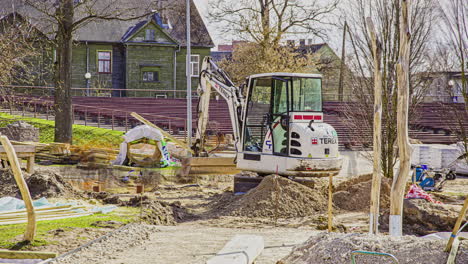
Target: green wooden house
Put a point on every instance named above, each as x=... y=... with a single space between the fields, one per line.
x=144 y=57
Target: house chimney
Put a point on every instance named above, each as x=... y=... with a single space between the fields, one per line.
x=291 y=43
x=310 y=42
x=302 y=42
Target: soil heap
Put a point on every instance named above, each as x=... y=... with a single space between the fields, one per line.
x=279 y=197
x=422 y=217
x=355 y=194
x=331 y=248
x=154 y=212
x=41 y=184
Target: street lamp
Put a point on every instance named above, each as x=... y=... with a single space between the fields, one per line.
x=87 y=77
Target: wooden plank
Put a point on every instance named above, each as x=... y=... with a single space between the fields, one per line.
x=453 y=252
x=377 y=140
x=404 y=147
x=18 y=175
x=241 y=249
x=457 y=225
x=20 y=148
x=167 y=135
x=10 y=254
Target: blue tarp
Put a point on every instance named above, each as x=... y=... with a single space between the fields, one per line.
x=12 y=204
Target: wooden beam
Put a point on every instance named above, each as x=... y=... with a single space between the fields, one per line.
x=10 y=254
x=457 y=225
x=18 y=175
x=377 y=145
x=242 y=249
x=453 y=252
x=404 y=146
x=167 y=135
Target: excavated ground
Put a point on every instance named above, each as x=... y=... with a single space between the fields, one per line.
x=334 y=248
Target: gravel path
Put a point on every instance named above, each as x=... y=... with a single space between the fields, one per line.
x=183 y=244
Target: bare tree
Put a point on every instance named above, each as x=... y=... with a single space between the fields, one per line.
x=455 y=23
x=386 y=16
x=63 y=18
x=267 y=22
x=21 y=50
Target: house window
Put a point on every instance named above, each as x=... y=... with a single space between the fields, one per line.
x=150 y=35
x=104 y=61
x=150 y=76
x=195 y=65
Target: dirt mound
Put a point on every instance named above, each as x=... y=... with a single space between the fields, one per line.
x=49 y=184
x=8 y=185
x=154 y=212
x=331 y=248
x=421 y=217
x=279 y=197
x=355 y=194
x=41 y=184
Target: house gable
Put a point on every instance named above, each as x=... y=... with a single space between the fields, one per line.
x=138 y=34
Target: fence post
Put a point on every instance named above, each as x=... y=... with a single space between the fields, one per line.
x=35 y=110
x=170 y=128
x=86 y=117
x=98 y=118
x=112 y=120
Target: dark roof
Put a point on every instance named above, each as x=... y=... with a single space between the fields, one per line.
x=219 y=55
x=172 y=19
x=313 y=48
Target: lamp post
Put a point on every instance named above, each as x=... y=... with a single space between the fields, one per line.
x=189 y=80
x=87 y=77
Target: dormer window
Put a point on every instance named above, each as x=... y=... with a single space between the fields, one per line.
x=150 y=35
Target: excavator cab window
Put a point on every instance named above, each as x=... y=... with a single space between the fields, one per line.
x=256 y=124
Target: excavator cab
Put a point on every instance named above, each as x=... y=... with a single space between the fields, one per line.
x=283 y=130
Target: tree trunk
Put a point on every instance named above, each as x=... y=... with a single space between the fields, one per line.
x=377 y=171
x=63 y=102
x=404 y=147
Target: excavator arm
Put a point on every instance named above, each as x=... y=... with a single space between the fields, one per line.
x=212 y=77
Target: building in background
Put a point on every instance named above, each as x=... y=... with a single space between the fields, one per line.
x=143 y=54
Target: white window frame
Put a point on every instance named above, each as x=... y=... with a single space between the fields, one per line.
x=150 y=34
x=192 y=65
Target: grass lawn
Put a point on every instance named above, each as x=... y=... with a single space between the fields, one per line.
x=9 y=233
x=82 y=135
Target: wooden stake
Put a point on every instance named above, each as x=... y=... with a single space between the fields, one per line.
x=18 y=175
x=457 y=225
x=377 y=145
x=404 y=147
x=330 y=203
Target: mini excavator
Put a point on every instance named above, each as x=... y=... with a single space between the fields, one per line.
x=277 y=122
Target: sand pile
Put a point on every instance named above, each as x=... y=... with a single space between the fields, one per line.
x=334 y=248
x=354 y=194
x=279 y=197
x=41 y=184
x=421 y=217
